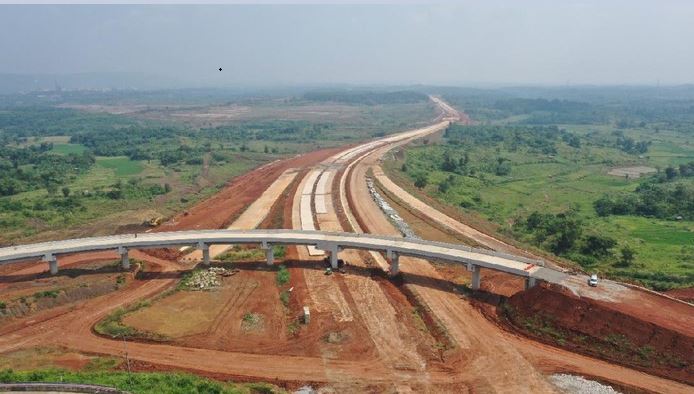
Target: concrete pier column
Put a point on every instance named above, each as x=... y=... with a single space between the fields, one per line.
x=124 y=260
x=270 y=255
x=205 y=252
x=475 y=269
x=394 y=259
x=52 y=263
x=530 y=282
x=333 y=256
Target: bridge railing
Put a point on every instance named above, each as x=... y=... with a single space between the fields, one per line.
x=144 y=240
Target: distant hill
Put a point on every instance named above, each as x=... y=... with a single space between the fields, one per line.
x=366 y=97
x=22 y=83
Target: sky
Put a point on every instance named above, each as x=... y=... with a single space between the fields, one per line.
x=453 y=43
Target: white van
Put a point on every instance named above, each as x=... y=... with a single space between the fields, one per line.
x=593 y=281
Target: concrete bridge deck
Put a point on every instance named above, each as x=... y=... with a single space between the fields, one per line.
x=330 y=242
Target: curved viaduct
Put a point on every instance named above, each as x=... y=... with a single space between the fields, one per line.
x=330 y=242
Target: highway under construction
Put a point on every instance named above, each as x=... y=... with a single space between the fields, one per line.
x=397 y=320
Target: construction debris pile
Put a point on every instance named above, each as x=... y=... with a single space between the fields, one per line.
x=207 y=279
x=390 y=212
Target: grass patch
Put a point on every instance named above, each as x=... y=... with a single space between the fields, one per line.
x=284 y=297
x=112 y=325
x=141 y=383
x=47 y=294
x=122 y=166
x=66 y=149
x=251 y=321
x=283 y=276
x=293 y=328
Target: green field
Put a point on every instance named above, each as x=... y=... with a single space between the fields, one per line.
x=571 y=178
x=122 y=166
x=66 y=149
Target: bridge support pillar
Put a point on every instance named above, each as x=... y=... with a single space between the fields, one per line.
x=394 y=259
x=475 y=269
x=205 y=252
x=269 y=253
x=124 y=260
x=530 y=282
x=52 y=263
x=333 y=256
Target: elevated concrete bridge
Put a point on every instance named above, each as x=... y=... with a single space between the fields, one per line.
x=330 y=242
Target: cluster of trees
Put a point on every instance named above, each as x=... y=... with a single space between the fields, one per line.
x=126 y=141
x=650 y=199
x=277 y=130
x=25 y=121
x=35 y=167
x=542 y=111
x=564 y=235
x=134 y=188
x=367 y=97
x=173 y=145
x=629 y=145
x=536 y=139
x=685 y=170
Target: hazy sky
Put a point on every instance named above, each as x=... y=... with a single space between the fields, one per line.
x=521 y=42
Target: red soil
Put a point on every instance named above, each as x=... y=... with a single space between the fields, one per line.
x=686 y=294
x=222 y=208
x=591 y=327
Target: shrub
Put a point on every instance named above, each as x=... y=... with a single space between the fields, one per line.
x=282 y=275
x=284 y=297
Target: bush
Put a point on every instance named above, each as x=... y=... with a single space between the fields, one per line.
x=421 y=181
x=139 y=382
x=47 y=294
x=282 y=275
x=284 y=298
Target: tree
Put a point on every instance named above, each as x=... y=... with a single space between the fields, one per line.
x=421 y=181
x=603 y=206
x=598 y=246
x=51 y=188
x=503 y=167
x=566 y=229
x=66 y=191
x=574 y=141
x=670 y=172
x=449 y=164
x=627 y=254
x=444 y=186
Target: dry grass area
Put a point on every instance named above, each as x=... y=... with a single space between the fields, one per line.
x=187 y=313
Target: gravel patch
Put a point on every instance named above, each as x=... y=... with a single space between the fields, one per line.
x=572 y=384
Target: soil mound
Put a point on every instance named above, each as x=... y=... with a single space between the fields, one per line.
x=554 y=314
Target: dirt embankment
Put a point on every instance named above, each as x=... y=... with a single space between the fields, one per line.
x=553 y=314
x=686 y=294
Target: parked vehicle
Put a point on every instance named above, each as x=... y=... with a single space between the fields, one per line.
x=593 y=281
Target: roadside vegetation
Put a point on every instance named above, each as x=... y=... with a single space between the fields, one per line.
x=138 y=382
x=546 y=182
